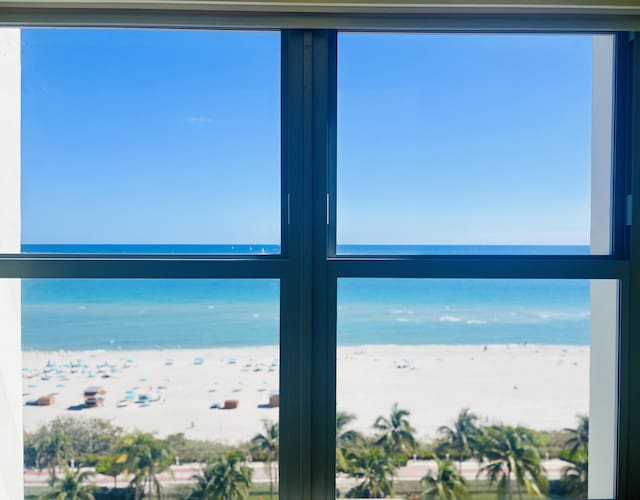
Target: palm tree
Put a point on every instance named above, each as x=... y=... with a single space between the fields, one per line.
x=579 y=439
x=266 y=446
x=376 y=470
x=54 y=451
x=71 y=486
x=462 y=436
x=145 y=457
x=396 y=433
x=224 y=479
x=575 y=476
x=345 y=439
x=447 y=484
x=510 y=451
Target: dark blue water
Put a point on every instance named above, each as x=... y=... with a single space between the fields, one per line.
x=142 y=314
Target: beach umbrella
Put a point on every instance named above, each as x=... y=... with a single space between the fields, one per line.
x=144 y=379
x=61 y=386
x=32 y=386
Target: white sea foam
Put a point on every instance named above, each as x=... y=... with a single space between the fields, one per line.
x=450 y=319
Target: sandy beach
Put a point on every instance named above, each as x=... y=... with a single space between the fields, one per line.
x=540 y=386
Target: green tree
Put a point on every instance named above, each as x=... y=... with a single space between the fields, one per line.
x=112 y=466
x=224 y=479
x=375 y=468
x=446 y=484
x=54 y=451
x=345 y=439
x=265 y=445
x=575 y=476
x=88 y=436
x=145 y=457
x=462 y=436
x=30 y=444
x=579 y=439
x=510 y=453
x=72 y=486
x=396 y=435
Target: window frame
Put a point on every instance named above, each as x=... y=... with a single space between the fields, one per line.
x=308 y=268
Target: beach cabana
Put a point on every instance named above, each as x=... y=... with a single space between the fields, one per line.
x=231 y=404
x=46 y=401
x=274 y=400
x=94 y=396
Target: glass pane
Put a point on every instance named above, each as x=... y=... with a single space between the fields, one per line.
x=440 y=383
x=187 y=370
x=474 y=144
x=147 y=141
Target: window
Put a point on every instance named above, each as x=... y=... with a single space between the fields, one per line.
x=105 y=146
x=347 y=308
x=187 y=369
x=436 y=373
x=490 y=144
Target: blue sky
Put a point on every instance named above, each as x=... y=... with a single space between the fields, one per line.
x=150 y=137
x=174 y=137
x=464 y=139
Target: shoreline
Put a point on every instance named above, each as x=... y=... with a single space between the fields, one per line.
x=180 y=348
x=542 y=386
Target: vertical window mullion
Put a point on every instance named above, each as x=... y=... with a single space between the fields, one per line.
x=295 y=298
x=621 y=181
x=323 y=335
x=629 y=404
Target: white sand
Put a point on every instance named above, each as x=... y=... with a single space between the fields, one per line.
x=543 y=387
x=539 y=386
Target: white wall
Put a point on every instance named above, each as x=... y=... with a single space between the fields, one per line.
x=10 y=351
x=604 y=293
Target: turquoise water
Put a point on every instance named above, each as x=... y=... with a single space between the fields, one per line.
x=142 y=314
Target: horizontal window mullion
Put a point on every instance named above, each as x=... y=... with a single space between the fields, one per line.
x=172 y=267
x=515 y=267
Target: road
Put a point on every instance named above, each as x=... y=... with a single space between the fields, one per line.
x=182 y=474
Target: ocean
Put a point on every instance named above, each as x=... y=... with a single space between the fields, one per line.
x=88 y=314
